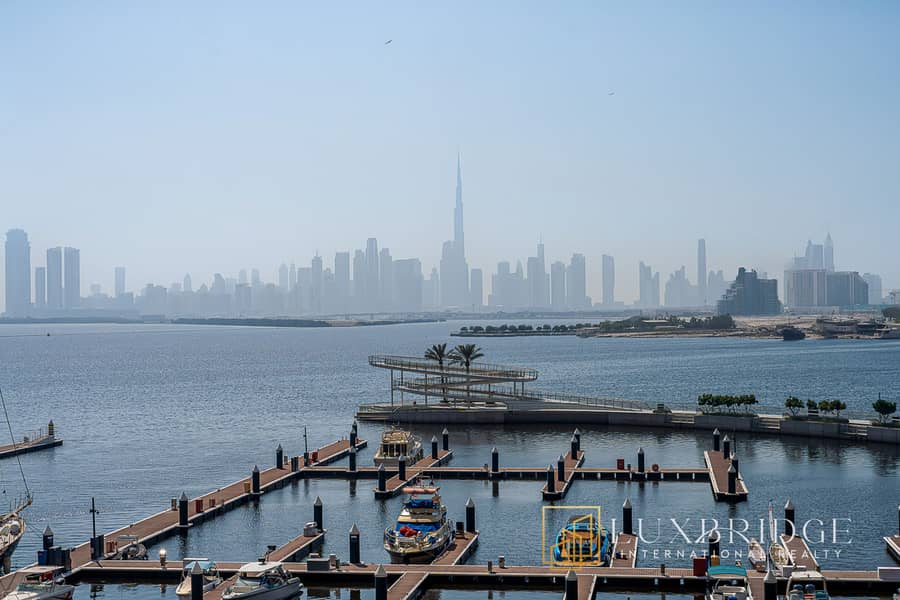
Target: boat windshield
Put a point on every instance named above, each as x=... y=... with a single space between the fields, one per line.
x=420 y=503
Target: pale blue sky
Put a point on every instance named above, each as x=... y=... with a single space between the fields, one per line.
x=206 y=137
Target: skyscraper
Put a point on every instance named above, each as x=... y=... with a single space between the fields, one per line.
x=71 y=278
x=54 y=278
x=458 y=235
x=372 y=276
x=874 y=283
x=120 y=281
x=386 y=281
x=576 y=283
x=454 y=274
x=649 y=286
x=341 y=281
x=702 y=298
x=186 y=283
x=359 y=281
x=558 y=285
x=317 y=284
x=283 y=277
x=829 y=253
x=407 y=278
x=18 y=273
x=476 y=289
x=609 y=280
x=750 y=295
x=40 y=287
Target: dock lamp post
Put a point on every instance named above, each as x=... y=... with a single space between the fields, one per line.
x=305 y=448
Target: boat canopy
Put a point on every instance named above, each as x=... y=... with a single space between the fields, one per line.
x=420 y=527
x=420 y=503
x=257 y=569
x=204 y=563
x=727 y=571
x=420 y=490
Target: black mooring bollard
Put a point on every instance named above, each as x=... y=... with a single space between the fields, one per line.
x=898 y=520
x=561 y=467
x=495 y=461
x=732 y=480
x=726 y=446
x=183 y=510
x=254 y=481
x=352 y=438
x=571 y=586
x=770 y=586
x=551 y=479
x=352 y=459
x=295 y=464
x=196 y=582
x=713 y=542
x=382 y=478
x=305 y=458
x=716 y=440
x=434 y=448
x=401 y=467
x=51 y=429
x=354 y=545
x=445 y=440
x=790 y=517
x=279 y=457
x=573 y=451
x=627 y=517
x=380 y=583
x=577 y=435
x=47 y=538
x=470 y=516
x=640 y=460
x=735 y=463
x=317 y=514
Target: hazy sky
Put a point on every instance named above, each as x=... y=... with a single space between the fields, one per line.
x=175 y=137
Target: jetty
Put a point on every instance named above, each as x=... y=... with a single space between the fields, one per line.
x=40 y=440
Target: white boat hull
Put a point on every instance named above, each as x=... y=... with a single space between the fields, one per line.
x=291 y=589
x=59 y=592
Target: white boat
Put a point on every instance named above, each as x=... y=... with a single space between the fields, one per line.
x=756 y=555
x=730 y=583
x=396 y=443
x=806 y=585
x=211 y=576
x=129 y=547
x=779 y=555
x=887 y=333
x=263 y=580
x=422 y=532
x=41 y=583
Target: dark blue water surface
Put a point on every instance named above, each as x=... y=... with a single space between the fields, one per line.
x=150 y=411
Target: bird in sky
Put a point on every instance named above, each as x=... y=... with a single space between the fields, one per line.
x=388 y=42
x=610 y=93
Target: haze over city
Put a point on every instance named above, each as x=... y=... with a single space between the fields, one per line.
x=212 y=138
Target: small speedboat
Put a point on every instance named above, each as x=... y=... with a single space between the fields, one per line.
x=211 y=576
x=42 y=583
x=806 y=585
x=756 y=555
x=583 y=540
x=129 y=547
x=396 y=443
x=730 y=583
x=422 y=532
x=263 y=580
x=779 y=555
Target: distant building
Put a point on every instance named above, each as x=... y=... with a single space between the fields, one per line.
x=407 y=280
x=829 y=254
x=40 y=288
x=679 y=291
x=54 y=278
x=476 y=289
x=576 y=283
x=750 y=295
x=702 y=298
x=359 y=281
x=431 y=291
x=454 y=275
x=648 y=285
x=284 y=277
x=386 y=281
x=805 y=288
x=609 y=280
x=876 y=293
x=18 y=273
x=72 y=278
x=371 y=297
x=715 y=286
x=317 y=284
x=120 y=281
x=558 y=285
x=846 y=288
x=341 y=281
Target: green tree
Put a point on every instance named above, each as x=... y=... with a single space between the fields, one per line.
x=811 y=405
x=465 y=354
x=438 y=353
x=837 y=406
x=885 y=409
x=825 y=406
x=793 y=404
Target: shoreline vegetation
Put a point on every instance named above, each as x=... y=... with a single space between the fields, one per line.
x=241 y=322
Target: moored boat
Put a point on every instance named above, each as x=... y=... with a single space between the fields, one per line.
x=12 y=528
x=730 y=583
x=396 y=443
x=779 y=555
x=806 y=585
x=129 y=547
x=211 y=576
x=263 y=580
x=422 y=532
x=583 y=540
x=789 y=333
x=756 y=555
x=41 y=583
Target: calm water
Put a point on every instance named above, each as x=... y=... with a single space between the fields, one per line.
x=150 y=411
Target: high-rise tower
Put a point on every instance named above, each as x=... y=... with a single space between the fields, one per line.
x=829 y=253
x=18 y=273
x=454 y=277
x=701 y=272
x=458 y=235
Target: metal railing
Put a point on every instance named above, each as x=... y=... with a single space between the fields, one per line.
x=481 y=370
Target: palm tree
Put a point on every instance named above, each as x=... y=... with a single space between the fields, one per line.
x=466 y=354
x=438 y=352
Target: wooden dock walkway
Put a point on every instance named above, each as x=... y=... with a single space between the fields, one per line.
x=408 y=587
x=624 y=553
x=893 y=546
x=799 y=552
x=718 y=465
x=684 y=474
x=561 y=486
x=460 y=550
x=395 y=485
x=587 y=586
x=31 y=445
